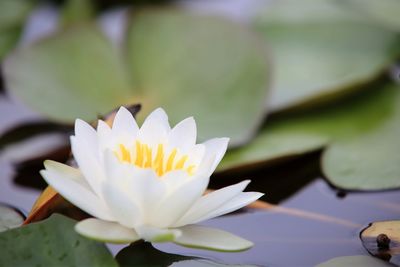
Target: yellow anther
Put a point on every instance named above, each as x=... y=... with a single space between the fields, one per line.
x=139 y=154
x=126 y=155
x=170 y=160
x=149 y=158
x=161 y=164
x=159 y=160
x=190 y=169
x=179 y=165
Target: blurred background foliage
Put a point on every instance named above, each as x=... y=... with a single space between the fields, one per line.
x=292 y=78
x=286 y=80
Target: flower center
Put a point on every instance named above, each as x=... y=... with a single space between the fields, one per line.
x=143 y=156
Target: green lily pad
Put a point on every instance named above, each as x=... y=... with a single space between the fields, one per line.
x=385 y=12
x=202 y=66
x=369 y=162
x=190 y=65
x=78 y=66
x=52 y=242
x=296 y=134
x=384 y=250
x=323 y=50
x=13 y=14
x=9 y=218
x=355 y=261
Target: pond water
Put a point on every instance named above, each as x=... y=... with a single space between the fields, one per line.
x=315 y=222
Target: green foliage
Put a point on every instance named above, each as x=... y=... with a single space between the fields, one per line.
x=323 y=50
x=361 y=134
x=190 y=65
x=52 y=242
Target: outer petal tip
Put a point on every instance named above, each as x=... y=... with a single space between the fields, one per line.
x=105 y=231
x=195 y=236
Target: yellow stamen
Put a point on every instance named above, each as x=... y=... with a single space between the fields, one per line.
x=191 y=169
x=139 y=154
x=126 y=156
x=159 y=160
x=170 y=160
x=161 y=164
x=181 y=163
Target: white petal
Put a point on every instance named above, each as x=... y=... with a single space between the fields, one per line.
x=183 y=135
x=104 y=134
x=70 y=183
x=217 y=147
x=155 y=128
x=124 y=210
x=125 y=123
x=154 y=234
x=106 y=231
x=210 y=202
x=84 y=131
x=239 y=201
x=177 y=203
x=195 y=236
x=88 y=163
x=142 y=186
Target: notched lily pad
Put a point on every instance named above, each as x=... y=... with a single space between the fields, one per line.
x=323 y=50
x=382 y=239
x=52 y=242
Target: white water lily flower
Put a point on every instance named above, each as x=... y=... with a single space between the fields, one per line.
x=148 y=183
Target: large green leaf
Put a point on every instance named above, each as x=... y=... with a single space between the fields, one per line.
x=355 y=261
x=74 y=74
x=304 y=132
x=323 y=50
x=191 y=65
x=13 y=14
x=52 y=242
x=385 y=12
x=201 y=66
x=370 y=161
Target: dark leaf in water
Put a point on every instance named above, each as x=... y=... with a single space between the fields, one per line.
x=144 y=254
x=52 y=242
x=27 y=172
x=29 y=130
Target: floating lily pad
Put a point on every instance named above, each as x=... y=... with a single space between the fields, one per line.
x=323 y=50
x=202 y=66
x=383 y=249
x=385 y=12
x=370 y=162
x=301 y=133
x=355 y=261
x=191 y=65
x=52 y=242
x=13 y=14
x=74 y=74
x=9 y=218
